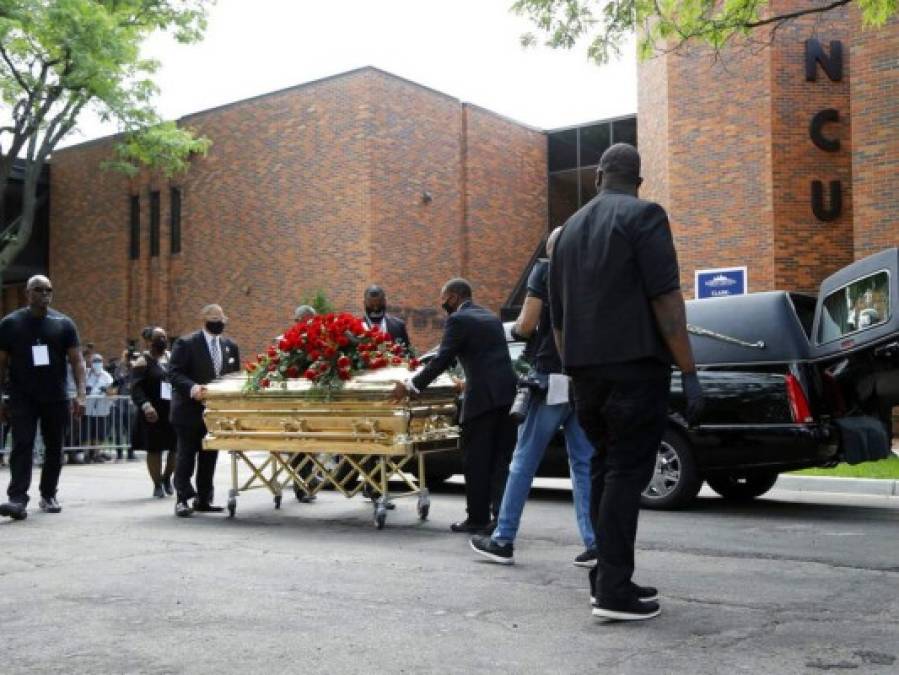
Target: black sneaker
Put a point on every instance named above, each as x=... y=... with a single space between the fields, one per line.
x=158 y=492
x=498 y=553
x=644 y=594
x=13 y=510
x=587 y=558
x=50 y=505
x=627 y=610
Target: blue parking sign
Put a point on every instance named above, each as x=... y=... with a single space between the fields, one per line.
x=720 y=282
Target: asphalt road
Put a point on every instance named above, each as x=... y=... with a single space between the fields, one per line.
x=795 y=583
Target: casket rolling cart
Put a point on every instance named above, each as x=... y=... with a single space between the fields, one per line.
x=352 y=439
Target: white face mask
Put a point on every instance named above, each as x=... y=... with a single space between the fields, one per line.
x=97 y=368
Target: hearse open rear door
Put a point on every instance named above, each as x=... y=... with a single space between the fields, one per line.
x=855 y=343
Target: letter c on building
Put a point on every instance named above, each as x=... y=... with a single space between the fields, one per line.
x=821 y=118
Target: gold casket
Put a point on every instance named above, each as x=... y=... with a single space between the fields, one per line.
x=357 y=419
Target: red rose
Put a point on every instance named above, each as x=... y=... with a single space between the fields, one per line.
x=293 y=371
x=272 y=367
x=265 y=383
x=396 y=360
x=284 y=345
x=343 y=362
x=414 y=363
x=323 y=366
x=310 y=374
x=313 y=355
x=343 y=374
x=329 y=352
x=272 y=351
x=343 y=340
x=250 y=367
x=260 y=357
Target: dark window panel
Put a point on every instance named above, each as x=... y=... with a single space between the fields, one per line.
x=154 y=224
x=595 y=139
x=134 y=229
x=563 y=150
x=625 y=131
x=588 y=184
x=175 y=214
x=563 y=196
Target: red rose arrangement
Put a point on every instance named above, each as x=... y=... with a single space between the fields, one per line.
x=328 y=350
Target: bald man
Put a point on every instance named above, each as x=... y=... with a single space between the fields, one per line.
x=35 y=344
x=197 y=359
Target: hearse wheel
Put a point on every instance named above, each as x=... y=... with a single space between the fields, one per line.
x=675 y=481
x=742 y=488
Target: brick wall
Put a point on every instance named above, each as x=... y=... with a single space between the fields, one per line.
x=875 y=135
x=315 y=187
x=726 y=149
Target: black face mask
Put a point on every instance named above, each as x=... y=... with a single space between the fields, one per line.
x=375 y=315
x=159 y=344
x=448 y=308
x=215 y=327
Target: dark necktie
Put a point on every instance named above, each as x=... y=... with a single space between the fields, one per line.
x=216 y=356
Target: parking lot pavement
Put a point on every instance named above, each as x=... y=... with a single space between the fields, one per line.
x=795 y=583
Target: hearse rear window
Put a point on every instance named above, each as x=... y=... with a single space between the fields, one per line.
x=863 y=304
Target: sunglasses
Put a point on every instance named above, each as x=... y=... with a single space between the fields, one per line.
x=42 y=290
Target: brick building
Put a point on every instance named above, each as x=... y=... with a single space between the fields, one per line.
x=336 y=184
x=365 y=177
x=728 y=148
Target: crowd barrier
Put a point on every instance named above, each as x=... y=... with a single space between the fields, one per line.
x=105 y=427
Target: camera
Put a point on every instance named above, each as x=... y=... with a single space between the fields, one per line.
x=519 y=410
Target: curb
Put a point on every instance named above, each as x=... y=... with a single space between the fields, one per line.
x=880 y=487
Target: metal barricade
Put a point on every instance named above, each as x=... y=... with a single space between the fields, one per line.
x=106 y=426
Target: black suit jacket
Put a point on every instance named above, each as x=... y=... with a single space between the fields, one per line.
x=190 y=364
x=476 y=337
x=396 y=328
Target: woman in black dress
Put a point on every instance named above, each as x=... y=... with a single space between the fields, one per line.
x=152 y=395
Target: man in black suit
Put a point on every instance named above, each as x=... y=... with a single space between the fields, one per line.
x=476 y=337
x=376 y=315
x=197 y=359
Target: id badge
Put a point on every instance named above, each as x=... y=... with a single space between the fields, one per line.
x=165 y=391
x=40 y=355
x=558 y=389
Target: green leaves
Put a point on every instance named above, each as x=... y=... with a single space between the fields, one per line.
x=666 y=24
x=163 y=147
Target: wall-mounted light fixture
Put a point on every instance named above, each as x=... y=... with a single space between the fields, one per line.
x=426 y=197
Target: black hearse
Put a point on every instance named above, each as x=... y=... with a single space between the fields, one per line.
x=791 y=382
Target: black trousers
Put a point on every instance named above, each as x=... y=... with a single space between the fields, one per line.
x=24 y=417
x=488 y=441
x=190 y=444
x=625 y=421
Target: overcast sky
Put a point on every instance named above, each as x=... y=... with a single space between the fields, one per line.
x=466 y=48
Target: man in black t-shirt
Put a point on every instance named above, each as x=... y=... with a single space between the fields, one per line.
x=36 y=342
x=619 y=319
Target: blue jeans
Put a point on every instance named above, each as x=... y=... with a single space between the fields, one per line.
x=534 y=435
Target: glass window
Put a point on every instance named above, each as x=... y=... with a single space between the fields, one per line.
x=175 y=215
x=154 y=224
x=588 y=184
x=625 y=131
x=134 y=229
x=563 y=196
x=861 y=305
x=563 y=150
x=595 y=140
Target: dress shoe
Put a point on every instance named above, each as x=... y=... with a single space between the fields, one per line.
x=50 y=505
x=13 y=510
x=183 y=510
x=76 y=458
x=469 y=527
x=206 y=507
x=167 y=486
x=158 y=492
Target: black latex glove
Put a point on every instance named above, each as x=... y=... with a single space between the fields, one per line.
x=693 y=395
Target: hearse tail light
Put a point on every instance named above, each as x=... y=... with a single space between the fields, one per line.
x=799 y=406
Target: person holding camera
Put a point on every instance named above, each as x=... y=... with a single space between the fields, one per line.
x=542 y=418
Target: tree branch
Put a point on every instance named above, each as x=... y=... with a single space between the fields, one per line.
x=14 y=70
x=780 y=19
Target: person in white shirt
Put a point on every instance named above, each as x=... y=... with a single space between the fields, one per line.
x=95 y=425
